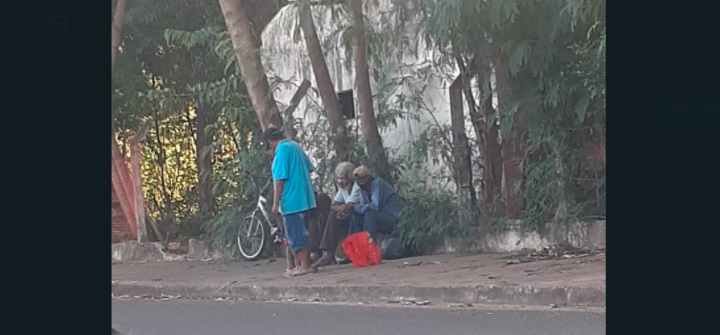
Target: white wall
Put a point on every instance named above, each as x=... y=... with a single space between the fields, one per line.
x=286 y=58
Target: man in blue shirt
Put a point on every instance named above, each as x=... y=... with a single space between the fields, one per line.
x=379 y=208
x=294 y=194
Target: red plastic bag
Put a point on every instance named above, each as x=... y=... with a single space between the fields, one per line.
x=361 y=250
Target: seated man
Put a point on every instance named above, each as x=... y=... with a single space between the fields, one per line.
x=379 y=208
x=338 y=222
x=316 y=220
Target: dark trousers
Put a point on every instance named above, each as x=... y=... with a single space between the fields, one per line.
x=326 y=235
x=373 y=222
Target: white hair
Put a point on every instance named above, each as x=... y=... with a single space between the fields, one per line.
x=345 y=169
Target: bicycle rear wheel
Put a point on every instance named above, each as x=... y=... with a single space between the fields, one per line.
x=253 y=235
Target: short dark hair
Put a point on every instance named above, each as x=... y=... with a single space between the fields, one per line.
x=273 y=134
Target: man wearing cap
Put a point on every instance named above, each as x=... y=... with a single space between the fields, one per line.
x=294 y=194
x=379 y=207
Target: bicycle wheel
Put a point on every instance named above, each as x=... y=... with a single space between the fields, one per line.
x=252 y=236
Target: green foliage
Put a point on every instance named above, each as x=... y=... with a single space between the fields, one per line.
x=235 y=187
x=548 y=56
x=549 y=59
x=427 y=219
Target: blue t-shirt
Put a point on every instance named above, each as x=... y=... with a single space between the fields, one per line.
x=292 y=165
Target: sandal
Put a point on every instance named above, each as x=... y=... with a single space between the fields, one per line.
x=324 y=261
x=289 y=272
x=301 y=272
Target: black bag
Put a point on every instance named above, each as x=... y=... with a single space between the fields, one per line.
x=391 y=247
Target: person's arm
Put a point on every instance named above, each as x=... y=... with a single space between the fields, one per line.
x=353 y=199
x=279 y=187
x=355 y=195
x=280 y=173
x=374 y=203
x=338 y=202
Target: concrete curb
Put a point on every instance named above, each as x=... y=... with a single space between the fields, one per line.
x=491 y=294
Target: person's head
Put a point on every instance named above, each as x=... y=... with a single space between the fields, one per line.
x=344 y=174
x=273 y=136
x=362 y=176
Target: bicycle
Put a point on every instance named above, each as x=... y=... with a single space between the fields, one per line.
x=259 y=228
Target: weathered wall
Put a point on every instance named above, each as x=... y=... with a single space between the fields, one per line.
x=285 y=57
x=120 y=228
x=588 y=235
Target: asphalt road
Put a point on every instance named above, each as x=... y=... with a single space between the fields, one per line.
x=203 y=317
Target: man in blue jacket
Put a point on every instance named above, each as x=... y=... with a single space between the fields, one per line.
x=379 y=207
x=294 y=194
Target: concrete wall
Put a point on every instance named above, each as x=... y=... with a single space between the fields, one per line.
x=587 y=235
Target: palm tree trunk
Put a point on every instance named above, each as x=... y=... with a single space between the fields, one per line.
x=205 y=115
x=247 y=51
x=461 y=152
x=329 y=98
x=377 y=157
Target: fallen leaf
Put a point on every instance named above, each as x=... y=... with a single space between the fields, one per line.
x=494 y=277
x=515 y=261
x=271 y=260
x=553 y=306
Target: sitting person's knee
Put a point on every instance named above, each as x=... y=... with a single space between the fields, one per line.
x=371 y=214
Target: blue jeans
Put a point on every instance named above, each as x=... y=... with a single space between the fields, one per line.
x=373 y=222
x=296 y=232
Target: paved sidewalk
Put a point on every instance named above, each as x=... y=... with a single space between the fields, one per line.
x=577 y=280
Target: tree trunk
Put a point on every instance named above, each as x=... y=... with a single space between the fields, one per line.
x=377 y=158
x=331 y=105
x=206 y=115
x=461 y=152
x=493 y=163
x=512 y=145
x=135 y=153
x=475 y=117
x=288 y=117
x=247 y=51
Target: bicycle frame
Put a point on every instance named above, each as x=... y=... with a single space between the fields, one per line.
x=276 y=230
